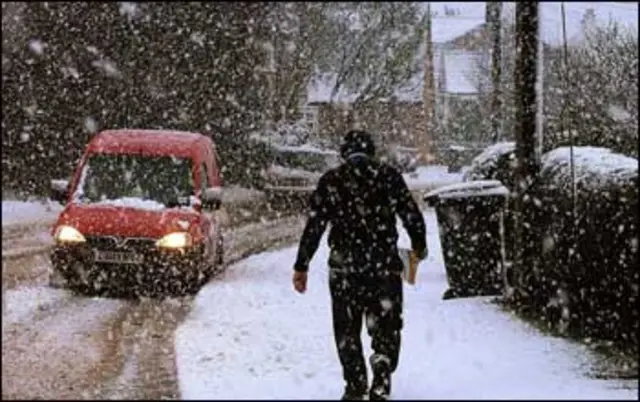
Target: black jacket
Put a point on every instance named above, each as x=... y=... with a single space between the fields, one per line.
x=361 y=199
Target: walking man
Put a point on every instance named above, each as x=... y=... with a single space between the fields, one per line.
x=360 y=199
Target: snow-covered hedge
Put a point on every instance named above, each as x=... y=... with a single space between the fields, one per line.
x=587 y=275
x=583 y=277
x=595 y=168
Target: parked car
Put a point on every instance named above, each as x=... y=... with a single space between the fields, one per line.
x=140 y=208
x=402 y=158
x=294 y=172
x=298 y=166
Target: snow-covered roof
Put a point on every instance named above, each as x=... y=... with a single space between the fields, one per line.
x=462 y=70
x=445 y=29
x=306 y=148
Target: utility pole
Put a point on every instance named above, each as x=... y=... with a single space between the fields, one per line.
x=425 y=142
x=528 y=164
x=494 y=23
x=540 y=90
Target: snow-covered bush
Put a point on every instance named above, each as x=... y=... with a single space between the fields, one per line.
x=403 y=159
x=496 y=162
x=458 y=155
x=587 y=274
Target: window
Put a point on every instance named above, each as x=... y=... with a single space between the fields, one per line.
x=310 y=116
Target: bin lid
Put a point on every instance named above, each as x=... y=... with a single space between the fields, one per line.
x=475 y=188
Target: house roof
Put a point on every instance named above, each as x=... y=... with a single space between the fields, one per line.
x=320 y=87
x=444 y=30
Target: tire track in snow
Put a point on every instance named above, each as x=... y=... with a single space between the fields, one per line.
x=62 y=354
x=31 y=269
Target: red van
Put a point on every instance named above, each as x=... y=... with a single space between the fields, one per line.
x=141 y=207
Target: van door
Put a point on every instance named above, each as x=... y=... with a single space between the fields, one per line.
x=208 y=219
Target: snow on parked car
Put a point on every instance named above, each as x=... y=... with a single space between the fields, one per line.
x=298 y=167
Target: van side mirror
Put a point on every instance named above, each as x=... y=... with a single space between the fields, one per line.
x=211 y=198
x=60 y=191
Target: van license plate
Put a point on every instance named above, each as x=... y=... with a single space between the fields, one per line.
x=118 y=257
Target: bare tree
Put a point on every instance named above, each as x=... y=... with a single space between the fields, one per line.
x=598 y=89
x=299 y=33
x=373 y=48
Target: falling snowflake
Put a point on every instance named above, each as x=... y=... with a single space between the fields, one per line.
x=37 y=46
x=90 y=125
x=107 y=67
x=129 y=9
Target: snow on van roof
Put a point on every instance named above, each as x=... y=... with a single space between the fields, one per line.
x=160 y=142
x=178 y=135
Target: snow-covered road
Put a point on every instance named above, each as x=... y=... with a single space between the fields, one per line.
x=251 y=336
x=59 y=345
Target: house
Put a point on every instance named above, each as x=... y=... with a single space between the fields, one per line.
x=459 y=49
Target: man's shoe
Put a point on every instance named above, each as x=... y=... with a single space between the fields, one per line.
x=354 y=396
x=353 y=393
x=381 y=384
x=380 y=391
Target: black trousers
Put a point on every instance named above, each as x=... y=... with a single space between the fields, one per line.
x=378 y=299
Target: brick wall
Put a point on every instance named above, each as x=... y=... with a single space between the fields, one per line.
x=396 y=123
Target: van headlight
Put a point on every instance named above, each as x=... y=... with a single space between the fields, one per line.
x=68 y=234
x=175 y=240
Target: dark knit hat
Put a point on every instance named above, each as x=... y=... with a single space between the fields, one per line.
x=358 y=142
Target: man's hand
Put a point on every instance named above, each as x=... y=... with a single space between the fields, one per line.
x=420 y=254
x=300 y=281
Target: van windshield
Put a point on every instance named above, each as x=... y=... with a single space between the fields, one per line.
x=161 y=180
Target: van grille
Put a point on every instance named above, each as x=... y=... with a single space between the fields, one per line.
x=115 y=243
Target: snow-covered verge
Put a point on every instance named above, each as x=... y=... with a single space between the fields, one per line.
x=251 y=336
x=24 y=213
